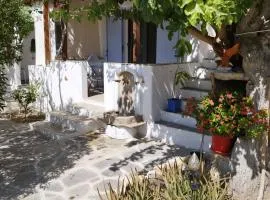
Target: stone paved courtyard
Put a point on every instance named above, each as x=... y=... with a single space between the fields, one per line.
x=33 y=167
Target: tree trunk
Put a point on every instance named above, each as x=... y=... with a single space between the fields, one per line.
x=255 y=50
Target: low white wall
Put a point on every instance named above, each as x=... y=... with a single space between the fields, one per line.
x=62 y=83
x=13 y=74
x=151 y=95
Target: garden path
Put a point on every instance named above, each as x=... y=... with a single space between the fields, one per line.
x=33 y=167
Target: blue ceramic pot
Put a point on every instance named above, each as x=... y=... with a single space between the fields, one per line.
x=174 y=105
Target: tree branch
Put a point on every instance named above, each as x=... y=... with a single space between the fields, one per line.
x=217 y=47
x=200 y=36
x=59 y=52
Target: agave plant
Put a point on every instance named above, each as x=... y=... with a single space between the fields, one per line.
x=175 y=184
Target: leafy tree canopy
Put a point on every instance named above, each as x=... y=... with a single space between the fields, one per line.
x=183 y=16
x=15 y=24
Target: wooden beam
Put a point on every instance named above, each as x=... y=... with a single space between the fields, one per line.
x=137 y=42
x=47 y=33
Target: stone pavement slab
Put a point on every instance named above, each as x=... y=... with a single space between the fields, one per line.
x=33 y=167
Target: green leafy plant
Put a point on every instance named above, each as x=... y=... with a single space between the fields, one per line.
x=15 y=24
x=26 y=96
x=254 y=124
x=193 y=14
x=228 y=114
x=172 y=184
x=181 y=77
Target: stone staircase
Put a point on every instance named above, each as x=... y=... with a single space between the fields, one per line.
x=78 y=119
x=176 y=128
x=172 y=128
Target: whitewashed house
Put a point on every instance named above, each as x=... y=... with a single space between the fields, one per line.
x=142 y=51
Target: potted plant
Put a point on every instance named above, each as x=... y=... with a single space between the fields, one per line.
x=225 y=117
x=174 y=104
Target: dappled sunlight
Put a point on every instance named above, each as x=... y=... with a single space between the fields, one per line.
x=29 y=158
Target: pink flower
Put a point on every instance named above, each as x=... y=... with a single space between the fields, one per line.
x=229 y=95
x=211 y=102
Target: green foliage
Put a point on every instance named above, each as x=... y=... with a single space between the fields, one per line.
x=228 y=114
x=181 y=77
x=173 y=184
x=15 y=24
x=26 y=96
x=179 y=15
x=255 y=124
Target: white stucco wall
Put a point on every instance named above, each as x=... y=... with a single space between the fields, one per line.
x=62 y=83
x=143 y=92
x=39 y=35
x=151 y=96
x=166 y=52
x=13 y=74
x=28 y=58
x=163 y=89
x=83 y=39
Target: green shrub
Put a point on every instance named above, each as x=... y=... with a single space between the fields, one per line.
x=172 y=185
x=26 y=96
x=228 y=114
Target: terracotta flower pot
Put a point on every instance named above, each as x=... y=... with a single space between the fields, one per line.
x=222 y=144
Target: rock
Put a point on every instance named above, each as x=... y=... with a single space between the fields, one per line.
x=214 y=174
x=179 y=161
x=217 y=166
x=245 y=169
x=153 y=174
x=155 y=178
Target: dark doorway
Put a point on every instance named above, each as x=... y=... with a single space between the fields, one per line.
x=142 y=42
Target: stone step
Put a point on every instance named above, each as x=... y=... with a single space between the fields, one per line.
x=175 y=134
x=75 y=122
x=196 y=70
x=127 y=131
x=178 y=118
x=86 y=109
x=54 y=132
x=209 y=63
x=199 y=84
x=186 y=93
